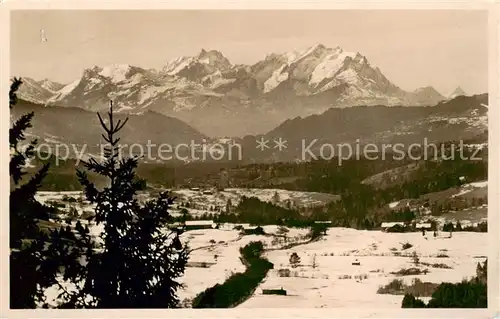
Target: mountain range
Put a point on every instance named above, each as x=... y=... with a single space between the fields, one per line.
x=461 y=118
x=219 y=98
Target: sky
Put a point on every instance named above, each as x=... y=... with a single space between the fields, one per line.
x=440 y=48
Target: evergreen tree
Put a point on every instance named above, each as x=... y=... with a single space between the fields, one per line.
x=139 y=261
x=294 y=260
x=409 y=301
x=28 y=275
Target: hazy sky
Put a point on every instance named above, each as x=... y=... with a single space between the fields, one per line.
x=444 y=49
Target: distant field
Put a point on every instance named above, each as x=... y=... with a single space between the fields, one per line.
x=202 y=202
x=333 y=281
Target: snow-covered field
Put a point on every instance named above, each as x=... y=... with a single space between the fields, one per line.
x=324 y=285
x=333 y=281
x=220 y=249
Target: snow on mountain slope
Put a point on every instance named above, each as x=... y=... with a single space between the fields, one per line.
x=349 y=78
x=206 y=88
x=457 y=92
x=131 y=88
x=116 y=72
x=50 y=85
x=328 y=67
x=33 y=91
x=199 y=66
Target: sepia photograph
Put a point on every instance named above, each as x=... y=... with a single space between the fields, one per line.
x=249 y=159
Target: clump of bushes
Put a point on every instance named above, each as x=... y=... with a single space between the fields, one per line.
x=410 y=272
x=437 y=265
x=280 y=292
x=361 y=277
x=417 y=288
x=406 y=245
x=69 y=199
x=255 y=231
x=467 y=294
x=285 y=272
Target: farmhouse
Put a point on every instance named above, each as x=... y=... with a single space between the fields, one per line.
x=388 y=225
x=200 y=224
x=194 y=224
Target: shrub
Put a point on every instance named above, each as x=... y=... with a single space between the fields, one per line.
x=442 y=266
x=294 y=260
x=407 y=246
x=410 y=272
x=471 y=294
x=284 y=272
x=417 y=288
x=69 y=199
x=409 y=301
x=256 y=231
x=395 y=287
x=467 y=294
x=280 y=292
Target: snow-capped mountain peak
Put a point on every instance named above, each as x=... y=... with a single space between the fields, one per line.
x=214 y=57
x=50 y=85
x=33 y=91
x=293 y=83
x=198 y=66
x=115 y=72
x=457 y=92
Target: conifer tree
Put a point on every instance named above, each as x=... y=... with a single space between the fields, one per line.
x=34 y=261
x=294 y=260
x=140 y=259
x=25 y=212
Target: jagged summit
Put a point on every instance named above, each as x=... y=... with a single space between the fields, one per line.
x=457 y=92
x=207 y=84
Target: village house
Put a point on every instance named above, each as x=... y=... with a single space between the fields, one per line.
x=195 y=224
x=386 y=225
x=200 y=224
